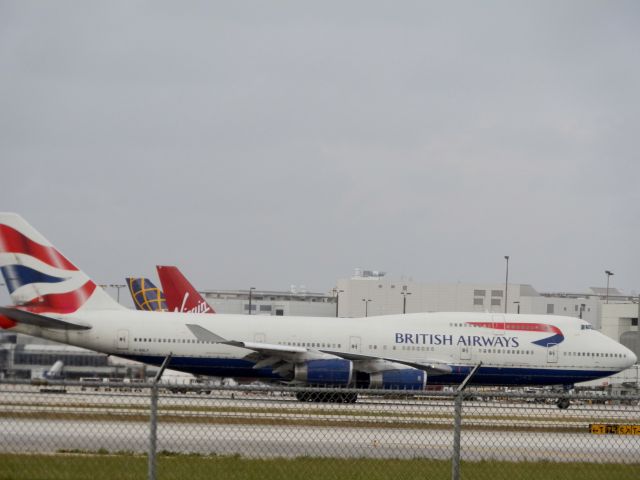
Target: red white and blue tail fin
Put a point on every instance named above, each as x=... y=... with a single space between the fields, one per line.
x=39 y=277
x=179 y=293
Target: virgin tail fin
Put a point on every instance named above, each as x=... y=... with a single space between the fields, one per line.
x=180 y=294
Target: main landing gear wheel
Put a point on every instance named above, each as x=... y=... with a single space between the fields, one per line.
x=563 y=403
x=327 y=397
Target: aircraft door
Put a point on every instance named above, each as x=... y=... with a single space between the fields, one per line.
x=498 y=324
x=552 y=353
x=465 y=352
x=122 y=339
x=355 y=344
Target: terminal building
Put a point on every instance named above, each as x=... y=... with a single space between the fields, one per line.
x=296 y=302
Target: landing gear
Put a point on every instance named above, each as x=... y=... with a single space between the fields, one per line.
x=563 y=403
x=348 y=397
x=304 y=397
x=329 y=397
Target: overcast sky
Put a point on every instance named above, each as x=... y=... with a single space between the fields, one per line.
x=267 y=144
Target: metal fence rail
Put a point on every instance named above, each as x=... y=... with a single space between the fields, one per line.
x=46 y=431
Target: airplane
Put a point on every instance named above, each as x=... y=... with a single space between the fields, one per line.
x=145 y=295
x=42 y=377
x=54 y=372
x=55 y=300
x=179 y=293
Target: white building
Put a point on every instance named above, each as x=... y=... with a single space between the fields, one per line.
x=620 y=322
x=268 y=302
x=370 y=294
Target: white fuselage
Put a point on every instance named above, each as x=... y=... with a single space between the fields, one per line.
x=504 y=344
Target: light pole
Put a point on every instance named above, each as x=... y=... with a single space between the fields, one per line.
x=337 y=293
x=117 y=286
x=250 y=293
x=366 y=306
x=506 y=285
x=518 y=303
x=608 y=273
x=404 y=301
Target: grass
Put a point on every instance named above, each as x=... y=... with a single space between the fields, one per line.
x=127 y=466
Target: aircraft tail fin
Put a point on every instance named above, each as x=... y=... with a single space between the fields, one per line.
x=180 y=294
x=55 y=371
x=39 y=277
x=146 y=296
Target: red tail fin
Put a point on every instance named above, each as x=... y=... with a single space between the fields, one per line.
x=179 y=293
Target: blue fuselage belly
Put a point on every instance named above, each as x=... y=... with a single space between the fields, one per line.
x=239 y=369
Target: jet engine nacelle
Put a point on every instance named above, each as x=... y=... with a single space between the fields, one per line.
x=324 y=372
x=405 y=379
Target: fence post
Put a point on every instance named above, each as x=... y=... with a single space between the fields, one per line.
x=153 y=419
x=457 y=430
x=153 y=430
x=457 y=422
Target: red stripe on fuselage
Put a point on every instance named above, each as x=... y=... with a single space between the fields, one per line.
x=522 y=327
x=12 y=241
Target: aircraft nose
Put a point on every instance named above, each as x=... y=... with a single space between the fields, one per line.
x=629 y=358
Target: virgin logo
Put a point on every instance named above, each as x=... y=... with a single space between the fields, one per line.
x=201 y=307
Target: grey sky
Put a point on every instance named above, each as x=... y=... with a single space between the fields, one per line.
x=275 y=143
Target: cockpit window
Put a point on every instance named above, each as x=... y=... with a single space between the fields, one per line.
x=586 y=327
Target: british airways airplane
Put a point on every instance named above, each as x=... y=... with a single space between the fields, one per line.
x=53 y=299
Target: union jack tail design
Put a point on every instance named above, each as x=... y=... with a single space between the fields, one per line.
x=146 y=296
x=180 y=294
x=39 y=278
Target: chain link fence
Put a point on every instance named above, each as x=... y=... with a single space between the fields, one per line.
x=137 y=431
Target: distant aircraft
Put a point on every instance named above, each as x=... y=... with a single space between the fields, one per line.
x=146 y=296
x=42 y=377
x=55 y=300
x=55 y=371
x=180 y=294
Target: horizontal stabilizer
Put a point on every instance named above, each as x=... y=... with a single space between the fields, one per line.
x=28 y=318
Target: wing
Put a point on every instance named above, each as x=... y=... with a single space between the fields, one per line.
x=431 y=366
x=283 y=358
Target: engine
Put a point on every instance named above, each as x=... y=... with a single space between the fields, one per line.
x=404 y=379
x=325 y=372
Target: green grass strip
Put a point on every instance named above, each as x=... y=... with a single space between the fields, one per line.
x=97 y=466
